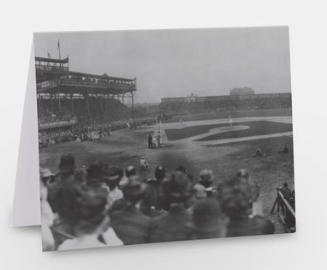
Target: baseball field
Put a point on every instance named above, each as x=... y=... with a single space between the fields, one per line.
x=197 y=142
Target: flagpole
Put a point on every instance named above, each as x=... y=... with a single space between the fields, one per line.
x=59 y=49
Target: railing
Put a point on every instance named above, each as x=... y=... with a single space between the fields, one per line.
x=51 y=68
x=121 y=85
x=285 y=212
x=47 y=84
x=59 y=123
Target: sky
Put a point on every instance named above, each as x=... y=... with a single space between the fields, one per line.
x=176 y=63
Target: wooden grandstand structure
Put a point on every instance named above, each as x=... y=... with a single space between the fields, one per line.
x=56 y=82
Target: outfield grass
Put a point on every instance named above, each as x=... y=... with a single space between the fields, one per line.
x=269 y=171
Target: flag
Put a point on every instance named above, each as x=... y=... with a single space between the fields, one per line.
x=49 y=55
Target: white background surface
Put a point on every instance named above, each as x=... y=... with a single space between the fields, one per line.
x=307 y=249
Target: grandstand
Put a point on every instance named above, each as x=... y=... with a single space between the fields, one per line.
x=181 y=105
x=242 y=91
x=63 y=94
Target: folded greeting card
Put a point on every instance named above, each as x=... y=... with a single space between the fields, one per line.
x=133 y=137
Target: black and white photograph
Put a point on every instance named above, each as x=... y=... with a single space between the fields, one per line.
x=150 y=136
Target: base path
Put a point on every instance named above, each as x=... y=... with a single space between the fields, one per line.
x=227 y=128
x=251 y=138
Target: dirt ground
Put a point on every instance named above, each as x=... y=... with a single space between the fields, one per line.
x=125 y=147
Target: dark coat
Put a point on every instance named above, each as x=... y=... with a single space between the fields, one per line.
x=152 y=213
x=130 y=225
x=171 y=226
x=59 y=193
x=287 y=193
x=240 y=227
x=250 y=226
x=150 y=139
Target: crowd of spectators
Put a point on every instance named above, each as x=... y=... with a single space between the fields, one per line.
x=103 y=116
x=51 y=118
x=108 y=109
x=71 y=79
x=104 y=205
x=86 y=130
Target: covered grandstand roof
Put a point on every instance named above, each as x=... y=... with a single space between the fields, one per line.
x=53 y=76
x=104 y=76
x=50 y=60
x=87 y=89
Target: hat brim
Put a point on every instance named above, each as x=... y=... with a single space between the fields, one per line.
x=111 y=178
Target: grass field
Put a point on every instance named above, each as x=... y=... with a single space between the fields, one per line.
x=255 y=128
x=125 y=147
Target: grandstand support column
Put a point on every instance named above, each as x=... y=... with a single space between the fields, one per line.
x=51 y=97
x=71 y=102
x=59 y=103
x=132 y=100
x=123 y=98
x=87 y=104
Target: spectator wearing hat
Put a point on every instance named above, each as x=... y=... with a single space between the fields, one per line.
x=160 y=174
x=94 y=178
x=250 y=187
x=88 y=211
x=47 y=219
x=184 y=170
x=206 y=180
x=130 y=171
x=47 y=177
x=130 y=225
x=286 y=191
x=63 y=228
x=235 y=205
x=208 y=220
x=148 y=204
x=177 y=189
x=155 y=187
x=112 y=178
x=287 y=194
x=66 y=168
x=199 y=194
x=63 y=180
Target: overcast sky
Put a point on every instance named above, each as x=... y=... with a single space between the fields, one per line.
x=172 y=63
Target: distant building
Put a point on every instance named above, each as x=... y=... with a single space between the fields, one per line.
x=242 y=91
